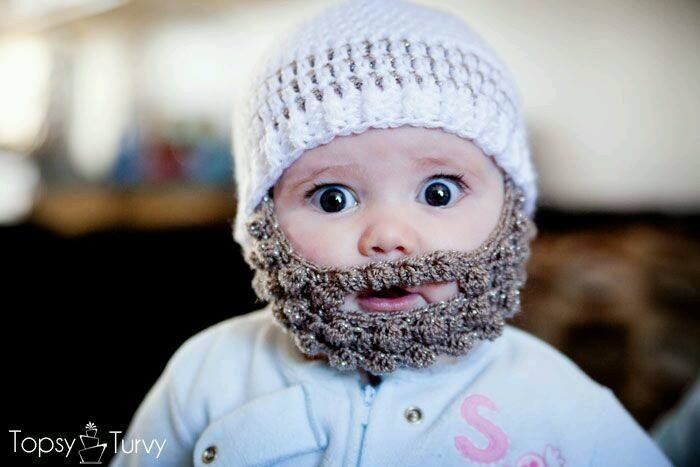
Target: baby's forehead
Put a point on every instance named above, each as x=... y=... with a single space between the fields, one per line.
x=398 y=158
x=404 y=147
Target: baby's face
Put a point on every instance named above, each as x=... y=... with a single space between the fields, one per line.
x=388 y=193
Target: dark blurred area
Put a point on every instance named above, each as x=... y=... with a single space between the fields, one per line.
x=619 y=295
x=117 y=196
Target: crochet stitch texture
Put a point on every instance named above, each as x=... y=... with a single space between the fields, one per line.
x=374 y=64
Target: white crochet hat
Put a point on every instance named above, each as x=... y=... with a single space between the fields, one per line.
x=374 y=64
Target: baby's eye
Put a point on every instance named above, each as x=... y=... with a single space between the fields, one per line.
x=440 y=191
x=333 y=198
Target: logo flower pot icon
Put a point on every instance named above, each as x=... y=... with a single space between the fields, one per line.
x=92 y=449
x=91 y=429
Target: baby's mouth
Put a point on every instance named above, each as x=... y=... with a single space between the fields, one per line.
x=388 y=300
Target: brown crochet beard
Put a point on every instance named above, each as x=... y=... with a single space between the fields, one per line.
x=306 y=298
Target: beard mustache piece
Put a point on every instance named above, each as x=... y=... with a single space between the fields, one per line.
x=306 y=298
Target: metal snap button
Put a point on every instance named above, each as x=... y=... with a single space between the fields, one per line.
x=209 y=454
x=413 y=415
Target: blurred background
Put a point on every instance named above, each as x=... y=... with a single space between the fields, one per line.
x=116 y=189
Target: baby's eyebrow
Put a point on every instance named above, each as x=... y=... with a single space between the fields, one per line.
x=431 y=161
x=337 y=170
x=469 y=166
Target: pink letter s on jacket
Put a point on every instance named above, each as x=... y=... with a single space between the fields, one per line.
x=497 y=446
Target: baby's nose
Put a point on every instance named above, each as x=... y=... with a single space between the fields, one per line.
x=388 y=237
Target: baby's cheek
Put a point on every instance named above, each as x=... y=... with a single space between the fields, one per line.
x=323 y=245
x=450 y=239
x=465 y=235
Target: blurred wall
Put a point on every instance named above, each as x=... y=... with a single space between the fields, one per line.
x=608 y=87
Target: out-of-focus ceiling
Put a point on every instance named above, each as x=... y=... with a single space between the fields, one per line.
x=22 y=16
x=36 y=15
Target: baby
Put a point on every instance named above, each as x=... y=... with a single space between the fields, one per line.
x=386 y=198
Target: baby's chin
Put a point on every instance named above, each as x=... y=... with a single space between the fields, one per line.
x=400 y=299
